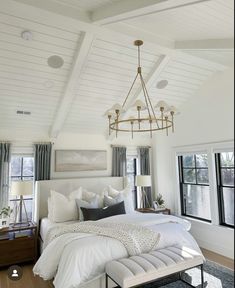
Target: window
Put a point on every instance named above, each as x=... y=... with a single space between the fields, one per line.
x=195 y=187
x=131 y=173
x=225 y=183
x=22 y=169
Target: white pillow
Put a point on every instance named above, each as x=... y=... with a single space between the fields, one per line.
x=61 y=208
x=89 y=196
x=110 y=201
x=125 y=195
x=92 y=203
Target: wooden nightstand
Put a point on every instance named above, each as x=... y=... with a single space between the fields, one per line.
x=151 y=210
x=18 y=245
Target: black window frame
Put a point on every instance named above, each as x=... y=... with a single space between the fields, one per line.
x=182 y=183
x=220 y=187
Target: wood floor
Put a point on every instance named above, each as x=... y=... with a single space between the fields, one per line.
x=29 y=281
x=224 y=261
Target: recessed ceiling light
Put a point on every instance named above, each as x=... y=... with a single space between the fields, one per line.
x=27 y=35
x=55 y=61
x=162 y=84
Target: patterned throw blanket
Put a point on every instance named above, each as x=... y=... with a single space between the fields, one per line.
x=136 y=239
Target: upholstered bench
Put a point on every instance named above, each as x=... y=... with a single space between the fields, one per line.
x=146 y=268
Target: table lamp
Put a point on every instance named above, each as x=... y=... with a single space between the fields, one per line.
x=144 y=181
x=21 y=188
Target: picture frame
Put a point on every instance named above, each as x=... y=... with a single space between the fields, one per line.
x=80 y=160
x=4 y=222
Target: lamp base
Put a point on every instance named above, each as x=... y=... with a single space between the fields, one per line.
x=19 y=210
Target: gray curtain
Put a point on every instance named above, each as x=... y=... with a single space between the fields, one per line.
x=144 y=165
x=5 y=159
x=42 y=158
x=119 y=162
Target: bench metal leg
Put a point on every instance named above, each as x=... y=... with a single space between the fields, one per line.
x=107 y=277
x=202 y=277
x=106 y=281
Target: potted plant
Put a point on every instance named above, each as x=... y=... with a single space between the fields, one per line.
x=159 y=202
x=5 y=214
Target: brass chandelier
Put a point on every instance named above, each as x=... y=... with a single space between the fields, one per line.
x=149 y=118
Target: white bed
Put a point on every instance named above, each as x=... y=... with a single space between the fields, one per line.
x=81 y=258
x=46 y=224
x=66 y=186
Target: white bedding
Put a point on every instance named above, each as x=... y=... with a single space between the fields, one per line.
x=46 y=224
x=77 y=258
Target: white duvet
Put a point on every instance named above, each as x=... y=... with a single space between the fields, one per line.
x=76 y=258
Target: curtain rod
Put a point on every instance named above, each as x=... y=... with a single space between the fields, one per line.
x=131 y=146
x=43 y=143
x=23 y=142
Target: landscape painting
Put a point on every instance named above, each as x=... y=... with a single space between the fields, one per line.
x=80 y=160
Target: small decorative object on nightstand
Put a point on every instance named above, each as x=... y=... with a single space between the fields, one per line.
x=18 y=244
x=159 y=202
x=5 y=214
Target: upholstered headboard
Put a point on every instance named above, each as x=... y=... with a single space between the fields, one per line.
x=65 y=186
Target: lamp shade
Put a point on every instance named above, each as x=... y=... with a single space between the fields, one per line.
x=20 y=188
x=143 y=181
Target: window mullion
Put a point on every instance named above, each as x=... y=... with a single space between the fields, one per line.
x=195 y=162
x=22 y=168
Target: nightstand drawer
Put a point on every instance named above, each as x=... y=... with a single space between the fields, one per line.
x=17 y=250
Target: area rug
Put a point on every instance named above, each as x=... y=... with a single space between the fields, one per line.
x=216 y=276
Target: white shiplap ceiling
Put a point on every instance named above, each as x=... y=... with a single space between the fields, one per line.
x=99 y=70
x=25 y=75
x=225 y=57
x=106 y=81
x=207 y=20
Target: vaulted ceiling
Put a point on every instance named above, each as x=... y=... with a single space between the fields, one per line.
x=185 y=43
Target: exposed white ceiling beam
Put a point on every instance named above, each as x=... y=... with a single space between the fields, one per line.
x=69 y=93
x=58 y=8
x=209 y=44
x=149 y=81
x=128 y=9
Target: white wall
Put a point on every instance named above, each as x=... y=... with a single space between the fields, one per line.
x=208 y=117
x=70 y=141
x=23 y=143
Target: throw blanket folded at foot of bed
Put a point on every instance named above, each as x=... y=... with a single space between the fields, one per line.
x=136 y=238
